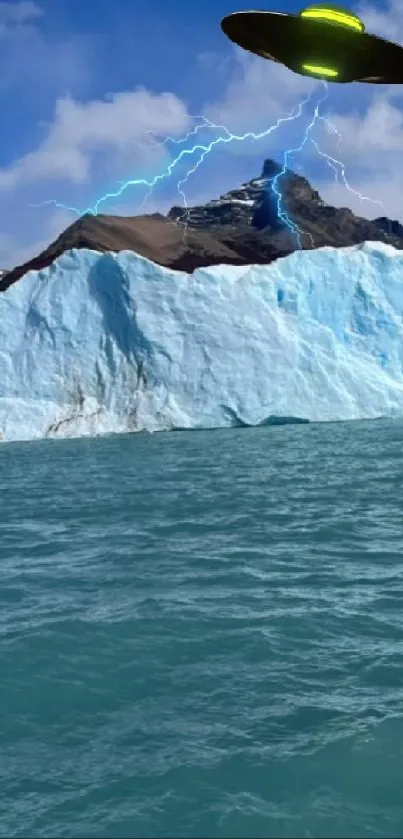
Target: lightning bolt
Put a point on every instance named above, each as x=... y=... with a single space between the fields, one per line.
x=332 y=162
x=180 y=141
x=202 y=150
x=205 y=123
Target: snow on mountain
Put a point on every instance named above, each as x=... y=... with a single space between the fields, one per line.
x=99 y=343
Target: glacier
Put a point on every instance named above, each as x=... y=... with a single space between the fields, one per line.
x=101 y=343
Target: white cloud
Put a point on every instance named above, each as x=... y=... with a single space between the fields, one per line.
x=370 y=123
x=258 y=92
x=80 y=129
x=114 y=129
x=371 y=139
x=379 y=197
x=12 y=14
x=15 y=251
x=388 y=22
x=40 y=63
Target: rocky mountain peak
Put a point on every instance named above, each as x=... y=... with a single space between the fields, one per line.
x=241 y=227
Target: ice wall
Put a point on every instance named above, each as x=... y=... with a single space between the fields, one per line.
x=101 y=343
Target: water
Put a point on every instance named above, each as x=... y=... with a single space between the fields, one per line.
x=202 y=634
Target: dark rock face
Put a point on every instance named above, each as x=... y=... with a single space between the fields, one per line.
x=393 y=228
x=240 y=228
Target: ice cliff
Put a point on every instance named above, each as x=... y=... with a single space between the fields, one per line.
x=100 y=343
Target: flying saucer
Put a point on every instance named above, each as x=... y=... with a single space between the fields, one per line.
x=325 y=42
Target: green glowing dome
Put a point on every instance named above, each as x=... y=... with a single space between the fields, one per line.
x=333 y=14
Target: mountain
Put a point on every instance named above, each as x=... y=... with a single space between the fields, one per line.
x=240 y=228
x=110 y=343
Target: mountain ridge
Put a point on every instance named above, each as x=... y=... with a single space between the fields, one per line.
x=242 y=227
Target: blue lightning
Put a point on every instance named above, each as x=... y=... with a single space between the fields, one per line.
x=332 y=162
x=282 y=214
x=192 y=133
x=295 y=114
x=205 y=123
x=186 y=152
x=204 y=149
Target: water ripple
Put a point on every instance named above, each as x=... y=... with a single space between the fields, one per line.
x=201 y=634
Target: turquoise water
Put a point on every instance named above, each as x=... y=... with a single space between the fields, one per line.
x=202 y=634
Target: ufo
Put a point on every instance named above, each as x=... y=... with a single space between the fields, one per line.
x=322 y=41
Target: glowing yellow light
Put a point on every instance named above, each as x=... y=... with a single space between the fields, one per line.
x=334 y=16
x=320 y=71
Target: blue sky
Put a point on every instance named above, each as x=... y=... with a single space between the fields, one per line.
x=84 y=85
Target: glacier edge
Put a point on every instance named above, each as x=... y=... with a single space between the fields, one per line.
x=111 y=343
